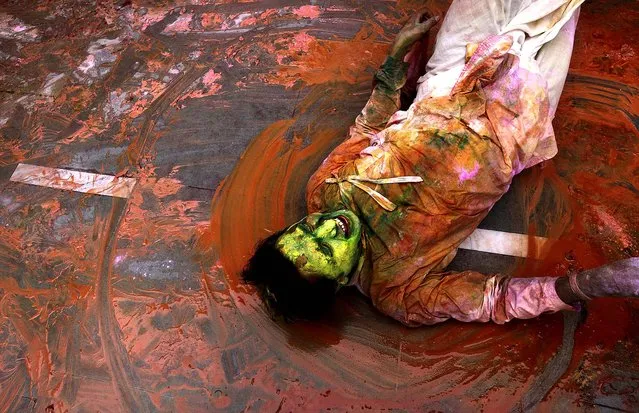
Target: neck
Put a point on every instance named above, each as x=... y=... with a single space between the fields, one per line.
x=357 y=269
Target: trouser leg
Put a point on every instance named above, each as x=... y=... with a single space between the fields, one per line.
x=467 y=21
x=554 y=60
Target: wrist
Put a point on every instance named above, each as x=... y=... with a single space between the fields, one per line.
x=565 y=292
x=398 y=53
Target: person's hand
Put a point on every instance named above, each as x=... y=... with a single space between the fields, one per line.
x=413 y=31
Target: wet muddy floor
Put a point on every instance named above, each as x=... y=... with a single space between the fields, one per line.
x=221 y=111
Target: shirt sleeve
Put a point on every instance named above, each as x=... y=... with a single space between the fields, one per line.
x=385 y=99
x=383 y=103
x=469 y=296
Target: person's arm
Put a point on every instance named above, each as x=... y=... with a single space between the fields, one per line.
x=383 y=103
x=384 y=100
x=471 y=296
x=468 y=296
x=389 y=79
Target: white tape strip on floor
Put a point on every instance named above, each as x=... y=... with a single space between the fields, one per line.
x=504 y=243
x=77 y=181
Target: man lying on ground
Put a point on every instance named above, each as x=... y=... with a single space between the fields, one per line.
x=392 y=203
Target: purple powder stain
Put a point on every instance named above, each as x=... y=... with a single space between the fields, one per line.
x=465 y=174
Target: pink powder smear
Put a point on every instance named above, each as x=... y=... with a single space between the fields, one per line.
x=210 y=78
x=465 y=174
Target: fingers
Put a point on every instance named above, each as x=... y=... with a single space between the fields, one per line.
x=422 y=22
x=423 y=19
x=412 y=32
x=430 y=22
x=423 y=16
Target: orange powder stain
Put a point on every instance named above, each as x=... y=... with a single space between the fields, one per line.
x=257 y=195
x=146 y=92
x=300 y=43
x=210 y=78
x=52 y=206
x=250 y=21
x=15 y=153
x=152 y=16
x=146 y=227
x=310 y=12
x=211 y=20
x=267 y=15
x=166 y=186
x=12 y=238
x=205 y=86
x=315 y=61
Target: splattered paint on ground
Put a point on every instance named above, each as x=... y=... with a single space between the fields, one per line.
x=221 y=112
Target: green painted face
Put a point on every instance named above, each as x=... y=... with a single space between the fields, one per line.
x=324 y=245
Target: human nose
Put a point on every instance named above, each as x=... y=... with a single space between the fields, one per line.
x=326 y=229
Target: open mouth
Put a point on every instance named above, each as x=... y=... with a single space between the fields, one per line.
x=343 y=224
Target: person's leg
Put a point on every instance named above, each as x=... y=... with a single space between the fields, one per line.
x=554 y=60
x=468 y=296
x=467 y=21
x=543 y=29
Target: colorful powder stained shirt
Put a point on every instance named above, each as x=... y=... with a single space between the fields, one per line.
x=466 y=148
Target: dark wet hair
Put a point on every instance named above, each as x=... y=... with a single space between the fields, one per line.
x=282 y=287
